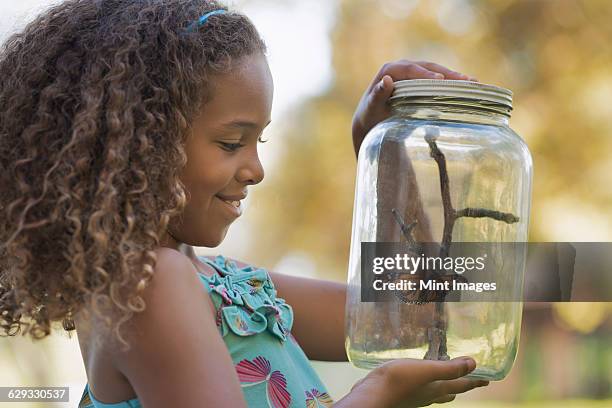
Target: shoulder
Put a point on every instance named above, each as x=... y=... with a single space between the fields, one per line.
x=174 y=342
x=174 y=289
x=174 y=286
x=173 y=276
x=171 y=261
x=173 y=294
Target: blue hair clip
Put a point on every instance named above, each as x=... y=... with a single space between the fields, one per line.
x=202 y=20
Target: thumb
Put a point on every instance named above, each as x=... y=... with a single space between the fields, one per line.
x=383 y=89
x=449 y=370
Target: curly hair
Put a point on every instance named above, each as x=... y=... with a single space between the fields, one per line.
x=96 y=101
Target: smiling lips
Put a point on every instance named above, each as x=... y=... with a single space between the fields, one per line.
x=233 y=201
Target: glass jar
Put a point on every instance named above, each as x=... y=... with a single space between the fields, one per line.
x=444 y=170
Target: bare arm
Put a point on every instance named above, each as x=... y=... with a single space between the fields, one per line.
x=178 y=357
x=318 y=306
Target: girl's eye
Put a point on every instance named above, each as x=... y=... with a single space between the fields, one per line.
x=231 y=147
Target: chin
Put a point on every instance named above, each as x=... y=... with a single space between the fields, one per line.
x=211 y=244
x=214 y=240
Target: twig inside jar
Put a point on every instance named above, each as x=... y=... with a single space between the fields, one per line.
x=436 y=334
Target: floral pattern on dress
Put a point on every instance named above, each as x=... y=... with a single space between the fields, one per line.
x=259 y=370
x=279 y=374
x=315 y=399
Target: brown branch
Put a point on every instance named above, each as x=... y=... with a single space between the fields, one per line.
x=406 y=229
x=483 y=212
x=437 y=334
x=449 y=212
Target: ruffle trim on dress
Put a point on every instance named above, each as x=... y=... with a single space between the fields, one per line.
x=247 y=300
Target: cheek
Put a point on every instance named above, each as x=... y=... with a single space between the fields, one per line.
x=208 y=170
x=204 y=184
x=201 y=172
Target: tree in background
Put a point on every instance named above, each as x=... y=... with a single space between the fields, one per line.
x=555 y=56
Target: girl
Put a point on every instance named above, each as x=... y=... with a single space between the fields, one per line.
x=129 y=134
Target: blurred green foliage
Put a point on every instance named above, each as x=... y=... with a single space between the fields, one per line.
x=554 y=55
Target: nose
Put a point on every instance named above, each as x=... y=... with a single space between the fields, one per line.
x=252 y=172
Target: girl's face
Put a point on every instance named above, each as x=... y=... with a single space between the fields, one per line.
x=222 y=158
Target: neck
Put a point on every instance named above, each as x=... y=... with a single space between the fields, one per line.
x=169 y=241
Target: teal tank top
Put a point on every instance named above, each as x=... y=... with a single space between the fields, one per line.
x=256 y=328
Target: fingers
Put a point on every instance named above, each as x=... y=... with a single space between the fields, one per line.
x=426 y=381
x=449 y=370
x=448 y=73
x=439 y=392
x=444 y=391
x=426 y=371
x=457 y=386
x=383 y=90
x=443 y=399
x=405 y=69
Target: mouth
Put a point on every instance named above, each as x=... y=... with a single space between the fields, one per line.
x=235 y=206
x=234 y=203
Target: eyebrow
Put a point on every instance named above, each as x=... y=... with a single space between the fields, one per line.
x=242 y=124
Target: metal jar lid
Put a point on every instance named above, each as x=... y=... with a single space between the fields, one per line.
x=447 y=88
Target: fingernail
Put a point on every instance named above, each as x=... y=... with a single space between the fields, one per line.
x=438 y=75
x=471 y=363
